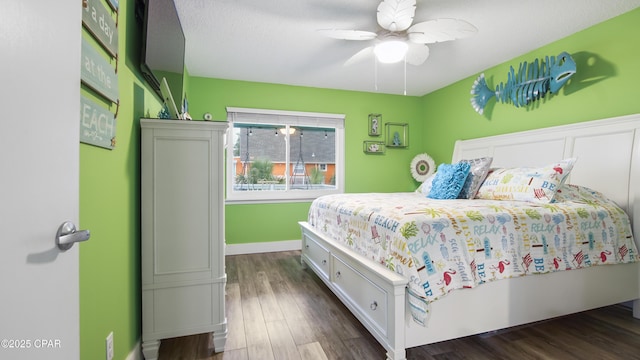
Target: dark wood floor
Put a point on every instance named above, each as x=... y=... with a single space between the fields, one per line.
x=277 y=310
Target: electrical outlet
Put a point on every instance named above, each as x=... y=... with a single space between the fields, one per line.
x=109 y=346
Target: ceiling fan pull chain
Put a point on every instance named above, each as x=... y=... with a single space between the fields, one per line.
x=375 y=72
x=405 y=75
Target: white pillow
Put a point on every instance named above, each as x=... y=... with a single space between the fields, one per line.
x=537 y=185
x=425 y=187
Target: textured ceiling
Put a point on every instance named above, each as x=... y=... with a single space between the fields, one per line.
x=275 y=41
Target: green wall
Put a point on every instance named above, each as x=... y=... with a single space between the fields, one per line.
x=110 y=208
x=605 y=85
x=364 y=173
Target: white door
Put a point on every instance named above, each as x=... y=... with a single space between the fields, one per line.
x=39 y=147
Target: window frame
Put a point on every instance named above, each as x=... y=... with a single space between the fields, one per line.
x=283 y=118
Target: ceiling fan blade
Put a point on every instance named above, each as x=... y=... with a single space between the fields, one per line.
x=396 y=15
x=417 y=54
x=360 y=56
x=348 y=34
x=439 y=30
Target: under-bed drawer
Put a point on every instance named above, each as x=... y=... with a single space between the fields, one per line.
x=367 y=296
x=317 y=254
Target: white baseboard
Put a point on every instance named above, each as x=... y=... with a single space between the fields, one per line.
x=263 y=247
x=136 y=353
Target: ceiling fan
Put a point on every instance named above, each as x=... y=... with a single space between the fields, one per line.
x=398 y=39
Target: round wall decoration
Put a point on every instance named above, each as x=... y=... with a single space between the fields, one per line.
x=422 y=166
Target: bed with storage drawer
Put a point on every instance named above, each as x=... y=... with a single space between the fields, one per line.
x=546 y=230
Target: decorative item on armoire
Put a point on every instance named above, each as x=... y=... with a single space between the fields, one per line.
x=185 y=109
x=530 y=83
x=164 y=112
x=169 y=102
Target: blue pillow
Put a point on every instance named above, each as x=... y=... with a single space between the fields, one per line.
x=449 y=180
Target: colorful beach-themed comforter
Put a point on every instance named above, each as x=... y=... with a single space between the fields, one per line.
x=443 y=245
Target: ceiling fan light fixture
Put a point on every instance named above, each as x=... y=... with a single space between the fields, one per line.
x=391 y=51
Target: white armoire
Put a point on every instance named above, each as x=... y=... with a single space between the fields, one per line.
x=183 y=269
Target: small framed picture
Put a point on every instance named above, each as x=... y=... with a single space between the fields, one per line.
x=397 y=135
x=375 y=124
x=373 y=147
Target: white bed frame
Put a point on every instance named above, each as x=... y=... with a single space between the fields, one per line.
x=608 y=153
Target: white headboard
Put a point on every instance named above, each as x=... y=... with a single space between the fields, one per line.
x=608 y=153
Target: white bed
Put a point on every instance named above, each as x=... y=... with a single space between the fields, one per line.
x=608 y=153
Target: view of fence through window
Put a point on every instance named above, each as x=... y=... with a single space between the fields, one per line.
x=283 y=158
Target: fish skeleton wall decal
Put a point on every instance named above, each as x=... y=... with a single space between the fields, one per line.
x=530 y=83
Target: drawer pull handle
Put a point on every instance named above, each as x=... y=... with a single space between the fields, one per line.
x=306 y=246
x=338 y=274
x=374 y=305
x=324 y=262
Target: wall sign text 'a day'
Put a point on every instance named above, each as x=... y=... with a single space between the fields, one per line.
x=99 y=22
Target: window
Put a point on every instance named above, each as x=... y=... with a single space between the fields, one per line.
x=283 y=155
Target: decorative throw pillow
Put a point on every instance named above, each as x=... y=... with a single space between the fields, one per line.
x=477 y=173
x=449 y=180
x=425 y=187
x=537 y=185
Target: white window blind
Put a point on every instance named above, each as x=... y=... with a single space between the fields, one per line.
x=291 y=118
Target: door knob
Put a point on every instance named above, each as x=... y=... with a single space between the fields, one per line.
x=67 y=235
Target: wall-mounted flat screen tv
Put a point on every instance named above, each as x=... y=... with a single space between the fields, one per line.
x=163 y=46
